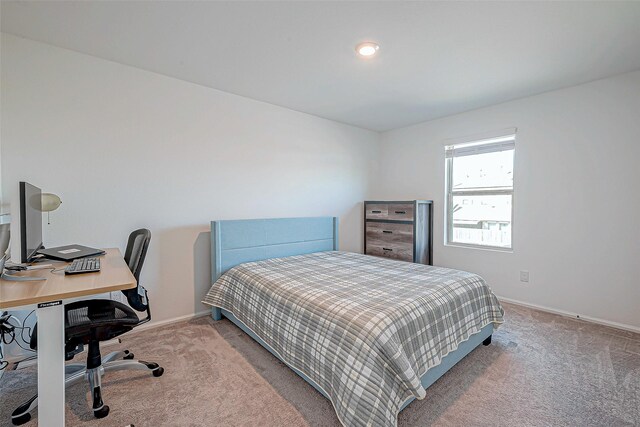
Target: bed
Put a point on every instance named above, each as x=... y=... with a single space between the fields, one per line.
x=370 y=334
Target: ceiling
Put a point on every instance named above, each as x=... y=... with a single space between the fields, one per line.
x=435 y=58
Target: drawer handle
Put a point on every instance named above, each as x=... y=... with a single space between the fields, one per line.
x=401 y=212
x=387 y=249
x=376 y=211
x=387 y=231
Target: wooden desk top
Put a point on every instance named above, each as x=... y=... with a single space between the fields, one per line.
x=114 y=275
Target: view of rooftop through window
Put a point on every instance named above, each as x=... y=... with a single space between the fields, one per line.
x=480 y=193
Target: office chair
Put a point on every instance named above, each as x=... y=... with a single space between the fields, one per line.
x=92 y=321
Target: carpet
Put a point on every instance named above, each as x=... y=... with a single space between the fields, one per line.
x=540 y=370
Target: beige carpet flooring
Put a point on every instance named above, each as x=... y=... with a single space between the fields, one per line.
x=540 y=370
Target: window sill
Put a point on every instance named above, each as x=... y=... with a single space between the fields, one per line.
x=480 y=247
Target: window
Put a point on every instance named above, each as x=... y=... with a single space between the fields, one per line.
x=479 y=185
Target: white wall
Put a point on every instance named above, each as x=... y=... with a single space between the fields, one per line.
x=576 y=203
x=126 y=148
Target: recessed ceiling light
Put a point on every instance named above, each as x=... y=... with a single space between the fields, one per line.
x=367 y=49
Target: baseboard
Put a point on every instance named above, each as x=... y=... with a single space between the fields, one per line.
x=152 y=325
x=609 y=323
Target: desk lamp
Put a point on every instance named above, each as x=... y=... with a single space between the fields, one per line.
x=50 y=202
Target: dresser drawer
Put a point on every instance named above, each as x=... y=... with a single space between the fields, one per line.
x=381 y=233
x=376 y=211
x=399 y=251
x=403 y=212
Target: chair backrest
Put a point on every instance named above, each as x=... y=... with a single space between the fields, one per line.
x=134 y=256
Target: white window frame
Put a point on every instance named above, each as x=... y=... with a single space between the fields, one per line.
x=488 y=143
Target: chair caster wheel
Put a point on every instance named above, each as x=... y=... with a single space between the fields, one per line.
x=18 y=421
x=158 y=372
x=129 y=356
x=102 y=412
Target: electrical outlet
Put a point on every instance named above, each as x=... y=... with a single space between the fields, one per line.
x=524 y=276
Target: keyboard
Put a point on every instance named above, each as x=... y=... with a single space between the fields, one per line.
x=83 y=265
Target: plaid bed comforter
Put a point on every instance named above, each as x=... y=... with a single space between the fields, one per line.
x=365 y=329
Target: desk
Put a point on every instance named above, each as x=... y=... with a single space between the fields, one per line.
x=48 y=298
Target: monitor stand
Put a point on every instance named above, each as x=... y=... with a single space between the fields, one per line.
x=13 y=278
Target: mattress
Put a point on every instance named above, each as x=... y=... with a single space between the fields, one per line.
x=365 y=329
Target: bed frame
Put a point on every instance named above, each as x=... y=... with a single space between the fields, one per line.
x=238 y=241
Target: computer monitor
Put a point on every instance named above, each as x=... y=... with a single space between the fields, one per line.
x=30 y=221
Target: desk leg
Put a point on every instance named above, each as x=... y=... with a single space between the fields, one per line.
x=51 y=389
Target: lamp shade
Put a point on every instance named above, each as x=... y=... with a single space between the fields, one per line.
x=50 y=202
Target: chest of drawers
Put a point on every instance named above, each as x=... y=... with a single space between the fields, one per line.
x=401 y=230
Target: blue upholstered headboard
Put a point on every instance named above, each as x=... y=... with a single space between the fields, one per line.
x=237 y=241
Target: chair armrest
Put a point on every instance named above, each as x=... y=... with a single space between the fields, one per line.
x=148 y=318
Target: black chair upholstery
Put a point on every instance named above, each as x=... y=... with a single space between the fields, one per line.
x=92 y=321
x=134 y=256
x=108 y=318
